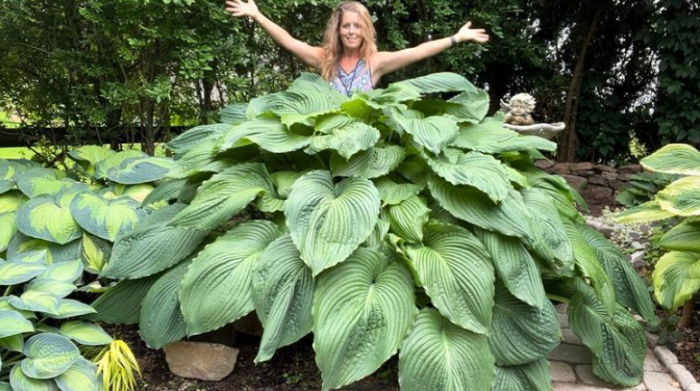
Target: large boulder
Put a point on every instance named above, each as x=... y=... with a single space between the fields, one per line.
x=200 y=360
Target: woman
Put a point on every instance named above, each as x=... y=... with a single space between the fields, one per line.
x=348 y=57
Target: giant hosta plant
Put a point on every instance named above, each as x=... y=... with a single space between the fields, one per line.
x=676 y=276
x=391 y=222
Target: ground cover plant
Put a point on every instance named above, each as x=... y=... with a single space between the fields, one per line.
x=391 y=221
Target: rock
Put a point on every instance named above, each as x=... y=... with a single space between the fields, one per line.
x=585 y=166
x=544 y=164
x=610 y=176
x=596 y=180
x=561 y=168
x=606 y=230
x=664 y=355
x=623 y=177
x=637 y=246
x=616 y=185
x=249 y=324
x=637 y=259
x=598 y=193
x=577 y=182
x=603 y=168
x=684 y=377
x=584 y=173
x=630 y=169
x=200 y=360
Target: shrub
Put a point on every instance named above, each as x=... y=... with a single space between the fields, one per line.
x=388 y=222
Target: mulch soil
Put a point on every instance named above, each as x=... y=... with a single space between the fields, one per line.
x=688 y=351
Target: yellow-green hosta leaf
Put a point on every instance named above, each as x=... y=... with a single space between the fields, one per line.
x=616 y=340
x=5 y=306
x=329 y=221
x=14 y=343
x=283 y=181
x=13 y=273
x=217 y=288
x=21 y=246
x=13 y=323
x=103 y=218
x=21 y=382
x=268 y=133
x=152 y=246
x=521 y=333
x=433 y=133
x=7 y=185
x=650 y=211
x=44 y=181
x=114 y=160
x=121 y=304
x=85 y=333
x=345 y=140
x=681 y=197
x=407 y=219
x=511 y=217
x=282 y=291
x=94 y=253
x=81 y=376
x=676 y=278
x=37 y=301
x=456 y=272
x=137 y=193
x=550 y=240
x=439 y=356
x=483 y=172
x=45 y=218
x=369 y=164
x=225 y=195
x=533 y=376
x=11 y=201
x=8 y=228
x=69 y=271
x=48 y=355
x=674 y=159
x=136 y=170
x=190 y=139
x=514 y=266
x=363 y=309
x=69 y=308
x=683 y=237
x=54 y=287
x=482 y=137
x=88 y=156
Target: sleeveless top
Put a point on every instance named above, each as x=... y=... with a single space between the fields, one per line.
x=359 y=79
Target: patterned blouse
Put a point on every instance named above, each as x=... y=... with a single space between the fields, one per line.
x=359 y=79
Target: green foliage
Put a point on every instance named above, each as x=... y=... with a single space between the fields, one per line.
x=643 y=187
x=383 y=224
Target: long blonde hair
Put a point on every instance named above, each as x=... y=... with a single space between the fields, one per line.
x=333 y=46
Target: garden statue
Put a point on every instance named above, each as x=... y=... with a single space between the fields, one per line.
x=518 y=117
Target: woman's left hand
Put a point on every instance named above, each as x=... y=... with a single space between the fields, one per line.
x=466 y=33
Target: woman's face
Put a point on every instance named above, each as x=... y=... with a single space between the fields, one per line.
x=351 y=30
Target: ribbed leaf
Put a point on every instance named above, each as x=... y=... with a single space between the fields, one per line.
x=674 y=159
x=439 y=356
x=217 y=288
x=283 y=296
x=299 y=106
x=21 y=382
x=329 y=221
x=617 y=341
x=234 y=113
x=483 y=137
x=368 y=164
x=511 y=217
x=54 y=287
x=440 y=82
x=44 y=181
x=683 y=237
x=346 y=140
x=195 y=161
x=650 y=211
x=521 y=333
x=47 y=218
x=283 y=181
x=13 y=343
x=268 y=133
x=88 y=156
x=550 y=241
x=225 y=195
x=391 y=96
x=483 y=172
x=11 y=201
x=121 y=304
x=681 y=197
x=103 y=166
x=94 y=253
x=514 y=266
x=69 y=271
x=55 y=253
x=103 y=218
x=529 y=377
x=48 y=355
x=454 y=268
x=434 y=133
x=12 y=273
x=137 y=170
x=470 y=106
x=36 y=301
x=70 y=308
x=13 y=323
x=85 y=333
x=183 y=143
x=161 y=321
x=392 y=193
x=152 y=247
x=81 y=376
x=407 y=219
x=363 y=308
x=676 y=278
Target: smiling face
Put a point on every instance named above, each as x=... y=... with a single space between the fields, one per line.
x=351 y=30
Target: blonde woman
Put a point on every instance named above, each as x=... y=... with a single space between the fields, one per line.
x=348 y=57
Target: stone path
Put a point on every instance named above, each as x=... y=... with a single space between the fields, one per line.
x=570 y=366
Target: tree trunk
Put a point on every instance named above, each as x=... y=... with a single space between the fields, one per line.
x=687 y=315
x=566 y=151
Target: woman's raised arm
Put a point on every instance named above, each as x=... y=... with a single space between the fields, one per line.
x=311 y=55
x=387 y=62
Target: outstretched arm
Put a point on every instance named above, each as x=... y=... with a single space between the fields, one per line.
x=311 y=55
x=387 y=62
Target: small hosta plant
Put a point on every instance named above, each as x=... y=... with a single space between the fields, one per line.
x=676 y=278
x=389 y=222
x=642 y=188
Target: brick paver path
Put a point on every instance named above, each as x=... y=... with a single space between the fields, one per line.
x=570 y=366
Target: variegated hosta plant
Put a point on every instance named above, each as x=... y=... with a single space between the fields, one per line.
x=391 y=221
x=676 y=276
x=52 y=228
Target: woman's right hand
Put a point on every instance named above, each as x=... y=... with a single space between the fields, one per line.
x=239 y=8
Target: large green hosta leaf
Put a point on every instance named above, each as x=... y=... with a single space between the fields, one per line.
x=121 y=304
x=408 y=217
x=44 y=181
x=434 y=133
x=103 y=218
x=88 y=156
x=483 y=172
x=681 y=197
x=283 y=296
x=268 y=133
x=368 y=164
x=225 y=195
x=48 y=355
x=8 y=229
x=393 y=193
x=151 y=247
x=617 y=341
x=234 y=113
x=103 y=166
x=81 y=376
x=21 y=245
x=454 y=268
x=299 y=106
x=511 y=217
x=48 y=218
x=683 y=237
x=329 y=221
x=137 y=170
x=550 y=238
x=521 y=333
x=363 y=308
x=676 y=278
x=21 y=382
x=514 y=266
x=11 y=201
x=529 y=377
x=347 y=140
x=161 y=320
x=196 y=161
x=482 y=137
x=439 y=356
x=471 y=106
x=440 y=82
x=183 y=143
x=217 y=288
x=674 y=159
x=650 y=211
